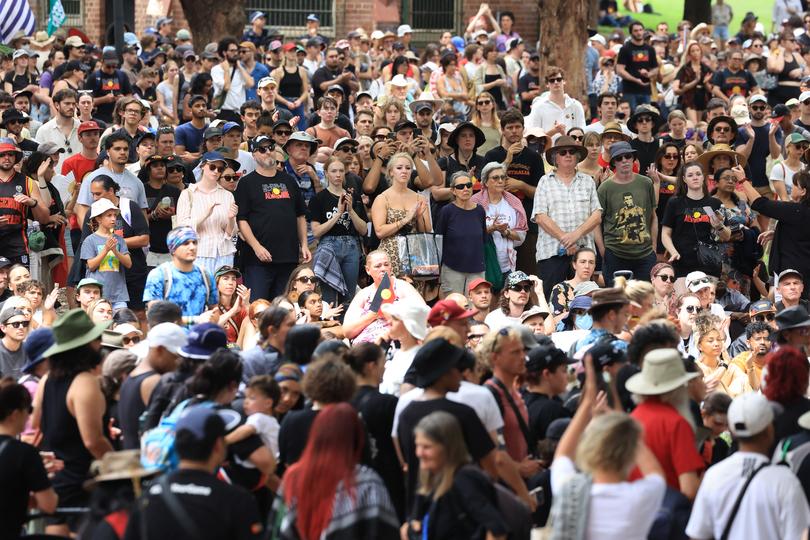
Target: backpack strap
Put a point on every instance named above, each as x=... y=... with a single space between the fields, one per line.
x=515 y=409
x=737 y=503
x=167 y=279
x=177 y=510
x=206 y=283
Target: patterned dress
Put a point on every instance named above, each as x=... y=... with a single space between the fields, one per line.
x=389 y=245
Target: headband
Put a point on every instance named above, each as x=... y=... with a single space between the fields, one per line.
x=179 y=236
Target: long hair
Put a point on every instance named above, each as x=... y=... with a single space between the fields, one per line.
x=786 y=375
x=659 y=156
x=223 y=368
x=802 y=180
x=293 y=277
x=70 y=363
x=333 y=451
x=680 y=184
x=475 y=116
x=302 y=339
x=504 y=303
x=443 y=429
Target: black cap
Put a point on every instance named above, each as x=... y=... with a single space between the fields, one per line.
x=256 y=142
x=608 y=352
x=74 y=65
x=143 y=135
x=434 y=359
x=779 y=111
x=545 y=357
x=4 y=262
x=402 y=124
x=556 y=428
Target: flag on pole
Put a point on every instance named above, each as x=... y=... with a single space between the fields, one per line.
x=56 y=17
x=15 y=16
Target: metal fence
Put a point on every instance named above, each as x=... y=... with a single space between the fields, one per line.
x=292 y=14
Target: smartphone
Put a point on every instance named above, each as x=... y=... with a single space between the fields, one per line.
x=539 y=495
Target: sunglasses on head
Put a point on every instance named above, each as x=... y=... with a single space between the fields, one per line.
x=459 y=187
x=134 y=340
x=764 y=317
x=19 y=324
x=307 y=279
x=216 y=168
x=665 y=277
x=520 y=288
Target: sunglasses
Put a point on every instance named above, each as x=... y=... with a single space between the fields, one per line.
x=307 y=279
x=229 y=177
x=265 y=149
x=520 y=288
x=609 y=63
x=501 y=333
x=555 y=80
x=282 y=133
x=693 y=309
x=485 y=102
x=578 y=137
x=722 y=129
x=566 y=152
x=625 y=157
x=475 y=336
x=134 y=340
x=644 y=119
x=216 y=168
x=758 y=107
x=802 y=146
x=350 y=149
x=19 y=324
x=8 y=155
x=380 y=137
x=764 y=317
x=498 y=178
x=176 y=170
x=664 y=277
x=671 y=156
x=459 y=187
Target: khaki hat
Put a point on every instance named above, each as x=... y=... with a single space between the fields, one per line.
x=564 y=142
x=609 y=297
x=705 y=159
x=615 y=128
x=122 y=465
x=661 y=372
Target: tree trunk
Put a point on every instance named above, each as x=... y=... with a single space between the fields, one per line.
x=697 y=11
x=563 y=38
x=211 y=20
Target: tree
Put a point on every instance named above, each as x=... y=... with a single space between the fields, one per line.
x=697 y=11
x=211 y=20
x=563 y=38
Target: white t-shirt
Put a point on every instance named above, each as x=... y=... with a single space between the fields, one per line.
x=496 y=319
x=783 y=173
x=774 y=506
x=167 y=91
x=395 y=370
x=266 y=427
x=623 y=511
x=501 y=213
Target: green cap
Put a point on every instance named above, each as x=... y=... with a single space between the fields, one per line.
x=89 y=281
x=795 y=138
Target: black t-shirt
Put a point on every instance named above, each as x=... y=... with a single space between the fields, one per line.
x=645 y=152
x=527 y=83
x=271 y=206
x=324 y=205
x=18 y=82
x=293 y=435
x=527 y=167
x=740 y=82
x=323 y=74
x=689 y=223
x=479 y=442
x=102 y=84
x=218 y=510
x=21 y=472
x=450 y=165
x=543 y=410
x=756 y=168
x=159 y=228
x=635 y=58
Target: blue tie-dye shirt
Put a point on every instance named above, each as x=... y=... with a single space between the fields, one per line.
x=187 y=289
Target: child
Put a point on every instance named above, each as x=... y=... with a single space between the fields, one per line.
x=105 y=253
x=261 y=395
x=88 y=291
x=311 y=302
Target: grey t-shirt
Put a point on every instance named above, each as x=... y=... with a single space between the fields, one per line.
x=109 y=272
x=11 y=362
x=131 y=187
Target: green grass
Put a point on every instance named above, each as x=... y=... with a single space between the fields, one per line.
x=671 y=11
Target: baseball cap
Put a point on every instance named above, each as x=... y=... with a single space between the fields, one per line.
x=760 y=306
x=50 y=148
x=404 y=29
x=335 y=88
x=434 y=359
x=257 y=15
x=89 y=125
x=515 y=278
x=4 y=262
x=212 y=132
x=789 y=272
x=228 y=126
x=265 y=81
x=545 y=357
x=204 y=339
x=599 y=38
x=779 y=111
x=257 y=141
x=7 y=314
x=585 y=288
x=749 y=414
x=275 y=45
x=476 y=282
x=37 y=342
x=697 y=280
x=448 y=310
x=608 y=352
x=226 y=269
x=757 y=97
x=182 y=35
x=202 y=423
x=312 y=17
x=85 y=282
x=167 y=335
x=805 y=95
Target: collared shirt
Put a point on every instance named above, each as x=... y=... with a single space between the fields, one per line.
x=50 y=132
x=192 y=207
x=569 y=206
x=545 y=113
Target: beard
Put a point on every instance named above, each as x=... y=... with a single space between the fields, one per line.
x=679 y=399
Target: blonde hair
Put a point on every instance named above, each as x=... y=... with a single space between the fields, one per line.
x=446 y=333
x=636 y=290
x=382 y=108
x=609 y=443
x=492 y=343
x=443 y=429
x=394 y=158
x=475 y=116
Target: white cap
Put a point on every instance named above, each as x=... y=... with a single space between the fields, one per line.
x=377 y=34
x=749 y=414
x=599 y=38
x=697 y=280
x=747 y=44
x=167 y=335
x=479 y=33
x=404 y=29
x=265 y=81
x=399 y=80
x=804 y=95
x=757 y=97
x=101 y=206
x=412 y=313
x=127 y=328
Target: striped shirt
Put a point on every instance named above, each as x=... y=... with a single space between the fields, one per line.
x=192 y=208
x=568 y=206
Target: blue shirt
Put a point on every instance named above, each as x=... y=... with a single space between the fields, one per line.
x=259 y=72
x=189 y=137
x=187 y=289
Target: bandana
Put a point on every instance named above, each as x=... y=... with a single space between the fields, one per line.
x=179 y=236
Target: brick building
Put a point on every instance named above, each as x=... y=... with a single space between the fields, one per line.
x=429 y=18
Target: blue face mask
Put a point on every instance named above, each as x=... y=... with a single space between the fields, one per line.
x=583 y=322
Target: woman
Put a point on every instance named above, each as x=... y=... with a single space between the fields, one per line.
x=584 y=265
x=168 y=92
x=484 y=117
x=339 y=221
x=408 y=321
x=665 y=171
x=399 y=210
x=782 y=172
x=718 y=375
x=592 y=142
x=785 y=382
x=210 y=209
x=454 y=499
x=390 y=112
x=328 y=493
x=719 y=156
x=464 y=230
x=688 y=228
x=677 y=129
x=301 y=342
x=786 y=62
x=662 y=277
x=506 y=218
x=303 y=279
x=249 y=331
x=274 y=324
x=293 y=85
x=692 y=83
x=606 y=80
x=21 y=77
x=232 y=299
x=229 y=179
x=362 y=323
x=176 y=173
x=691 y=152
x=46 y=81
x=100 y=310
x=289 y=378
x=490 y=77
x=452 y=87
x=85 y=109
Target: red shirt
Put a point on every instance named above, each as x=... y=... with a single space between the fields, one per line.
x=79 y=166
x=670 y=437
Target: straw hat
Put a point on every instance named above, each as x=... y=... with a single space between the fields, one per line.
x=705 y=159
x=123 y=465
x=564 y=142
x=661 y=372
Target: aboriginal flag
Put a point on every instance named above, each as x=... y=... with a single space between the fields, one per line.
x=384 y=295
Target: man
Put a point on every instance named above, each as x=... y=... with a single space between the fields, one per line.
x=448 y=313
x=14 y=326
x=165 y=341
x=266 y=90
x=758 y=345
x=257 y=33
x=258 y=71
x=231 y=139
x=164 y=30
x=733 y=79
x=62 y=129
x=188 y=137
x=270 y=201
x=231 y=79
x=299 y=148
x=5 y=290
x=84 y=161
x=19 y=198
x=546 y=381
x=423 y=111
x=250 y=112
x=364 y=123
x=748 y=27
x=524 y=168
x=117 y=149
x=133 y=112
x=716 y=107
x=517 y=291
x=326 y=130
x=758 y=140
x=804 y=118
x=608 y=104
x=341 y=120
x=645 y=123
x=744 y=495
x=793 y=328
x=13 y=122
x=790 y=286
x=637 y=65
x=132 y=63
x=761 y=311
x=479 y=293
x=566 y=210
x=333 y=73
x=722 y=129
x=313 y=61
x=212 y=508
x=164 y=141
x=556 y=112
x=529 y=84
x=610 y=310
x=513 y=60
x=108 y=85
x=629 y=221
x=88 y=290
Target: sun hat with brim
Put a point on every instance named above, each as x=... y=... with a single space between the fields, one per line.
x=128 y=328
x=480 y=138
x=614 y=128
x=722 y=118
x=426 y=98
x=585 y=288
x=532 y=311
x=74 y=329
x=645 y=110
x=661 y=372
x=101 y=206
x=537 y=133
x=621 y=148
x=9 y=147
x=121 y=465
x=434 y=359
x=580 y=302
x=413 y=314
x=112 y=339
x=303 y=136
x=609 y=297
x=792 y=317
x=13 y=114
x=37 y=342
x=705 y=159
x=564 y=142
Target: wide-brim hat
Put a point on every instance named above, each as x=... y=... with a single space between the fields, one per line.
x=480 y=138
x=13 y=114
x=426 y=98
x=121 y=465
x=564 y=142
x=661 y=372
x=538 y=133
x=303 y=136
x=792 y=317
x=614 y=128
x=74 y=329
x=705 y=159
x=41 y=39
x=434 y=359
x=609 y=297
x=722 y=118
x=413 y=314
x=645 y=110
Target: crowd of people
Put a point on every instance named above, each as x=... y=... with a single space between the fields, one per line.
x=289 y=287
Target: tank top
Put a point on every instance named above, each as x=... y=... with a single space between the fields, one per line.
x=130 y=408
x=61 y=434
x=495 y=91
x=789 y=66
x=12 y=234
x=290 y=84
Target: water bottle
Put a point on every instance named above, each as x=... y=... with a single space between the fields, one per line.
x=165 y=202
x=562 y=251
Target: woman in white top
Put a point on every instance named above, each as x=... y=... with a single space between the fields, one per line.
x=409 y=327
x=167 y=93
x=782 y=172
x=607 y=448
x=210 y=210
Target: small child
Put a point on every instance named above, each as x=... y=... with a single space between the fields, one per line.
x=106 y=252
x=261 y=395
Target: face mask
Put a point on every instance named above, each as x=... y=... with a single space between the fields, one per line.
x=583 y=322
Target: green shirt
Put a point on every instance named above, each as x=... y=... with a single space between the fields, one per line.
x=627 y=215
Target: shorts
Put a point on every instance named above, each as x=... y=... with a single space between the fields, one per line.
x=721 y=32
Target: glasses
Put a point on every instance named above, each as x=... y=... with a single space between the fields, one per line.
x=133 y=111
x=693 y=309
x=19 y=324
x=497 y=178
x=134 y=340
x=307 y=279
x=216 y=168
x=282 y=133
x=758 y=107
x=609 y=63
x=802 y=146
x=566 y=152
x=671 y=156
x=380 y=137
x=644 y=119
x=14 y=121
x=554 y=80
x=264 y=149
x=350 y=149
x=624 y=157
x=176 y=169
x=459 y=187
x=485 y=102
x=764 y=317
x=520 y=288
x=665 y=277
x=724 y=129
x=229 y=177
x=578 y=137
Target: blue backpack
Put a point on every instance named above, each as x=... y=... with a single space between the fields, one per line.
x=157 y=444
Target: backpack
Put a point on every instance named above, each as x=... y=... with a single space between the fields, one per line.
x=791 y=455
x=165 y=268
x=157 y=444
x=515 y=513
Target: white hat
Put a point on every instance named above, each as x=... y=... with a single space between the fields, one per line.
x=377 y=34
x=739 y=112
x=532 y=311
x=412 y=313
x=266 y=81
x=661 y=372
x=101 y=206
x=404 y=29
x=697 y=280
x=599 y=38
x=167 y=335
x=749 y=414
x=804 y=95
x=127 y=328
x=399 y=80
x=757 y=97
x=479 y=33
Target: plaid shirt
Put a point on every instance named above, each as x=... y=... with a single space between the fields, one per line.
x=568 y=206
